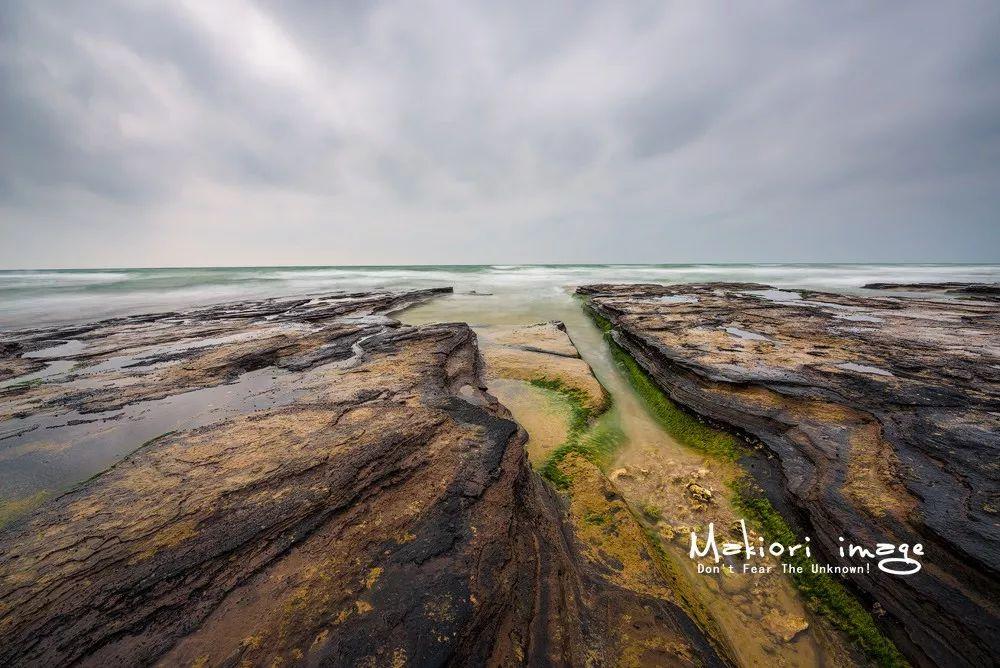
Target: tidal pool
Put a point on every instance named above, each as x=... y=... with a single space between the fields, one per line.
x=761 y=617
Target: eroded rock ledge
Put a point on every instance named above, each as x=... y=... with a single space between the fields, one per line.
x=883 y=419
x=968 y=290
x=377 y=510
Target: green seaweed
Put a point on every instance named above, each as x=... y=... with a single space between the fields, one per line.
x=602 y=323
x=651 y=513
x=598 y=519
x=822 y=593
x=678 y=423
x=579 y=412
x=594 y=439
x=596 y=444
x=682 y=426
x=25 y=384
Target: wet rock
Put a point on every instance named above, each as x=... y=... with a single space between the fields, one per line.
x=784 y=627
x=381 y=512
x=547 y=337
x=698 y=492
x=891 y=435
x=541 y=352
x=973 y=290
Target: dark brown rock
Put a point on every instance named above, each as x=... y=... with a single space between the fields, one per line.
x=974 y=290
x=882 y=416
x=379 y=510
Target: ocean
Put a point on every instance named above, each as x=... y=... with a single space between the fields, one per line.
x=47 y=297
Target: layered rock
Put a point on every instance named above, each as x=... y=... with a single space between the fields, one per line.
x=372 y=506
x=958 y=289
x=542 y=351
x=880 y=422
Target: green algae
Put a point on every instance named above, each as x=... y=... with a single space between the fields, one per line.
x=602 y=323
x=821 y=592
x=593 y=435
x=576 y=398
x=685 y=428
x=597 y=444
x=651 y=513
x=596 y=436
x=15 y=508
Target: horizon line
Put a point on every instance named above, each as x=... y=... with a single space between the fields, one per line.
x=508 y=264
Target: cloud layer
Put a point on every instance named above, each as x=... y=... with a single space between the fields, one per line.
x=269 y=132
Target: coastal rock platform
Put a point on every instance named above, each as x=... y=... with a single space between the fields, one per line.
x=876 y=419
x=347 y=495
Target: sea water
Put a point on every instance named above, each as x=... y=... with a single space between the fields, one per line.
x=45 y=297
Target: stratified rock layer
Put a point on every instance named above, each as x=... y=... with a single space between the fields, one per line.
x=542 y=351
x=378 y=511
x=967 y=290
x=883 y=415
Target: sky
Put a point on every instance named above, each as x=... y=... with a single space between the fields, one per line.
x=260 y=132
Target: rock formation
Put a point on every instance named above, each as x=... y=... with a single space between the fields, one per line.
x=967 y=290
x=362 y=501
x=880 y=421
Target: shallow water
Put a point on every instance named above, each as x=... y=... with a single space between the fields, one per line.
x=647 y=448
x=746 y=334
x=52 y=452
x=864 y=368
x=51 y=370
x=542 y=413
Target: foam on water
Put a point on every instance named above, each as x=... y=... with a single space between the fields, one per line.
x=29 y=298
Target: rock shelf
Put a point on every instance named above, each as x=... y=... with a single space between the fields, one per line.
x=879 y=421
x=372 y=506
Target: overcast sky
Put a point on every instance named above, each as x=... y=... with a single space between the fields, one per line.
x=231 y=132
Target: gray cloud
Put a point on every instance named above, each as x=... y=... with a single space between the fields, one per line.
x=265 y=132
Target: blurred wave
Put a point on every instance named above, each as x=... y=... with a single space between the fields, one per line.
x=45 y=297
